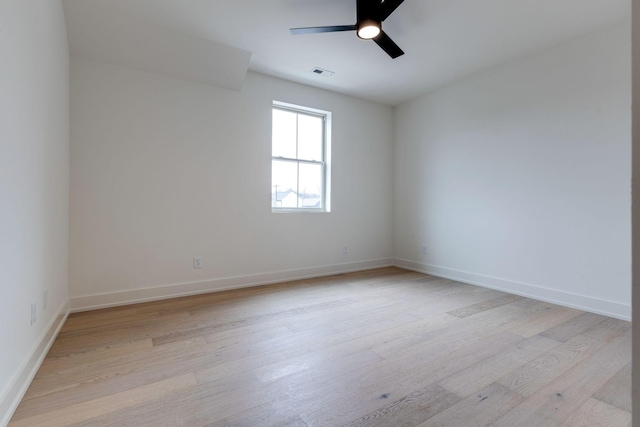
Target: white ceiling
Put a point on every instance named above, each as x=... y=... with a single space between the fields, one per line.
x=443 y=40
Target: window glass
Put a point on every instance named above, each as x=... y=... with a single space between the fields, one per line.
x=284 y=134
x=310 y=185
x=310 y=137
x=284 y=177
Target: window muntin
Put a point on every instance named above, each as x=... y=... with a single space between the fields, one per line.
x=299 y=159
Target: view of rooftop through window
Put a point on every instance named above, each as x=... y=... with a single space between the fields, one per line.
x=298 y=159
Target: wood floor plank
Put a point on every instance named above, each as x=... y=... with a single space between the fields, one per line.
x=301 y=353
x=368 y=306
x=397 y=381
x=342 y=342
x=559 y=399
x=572 y=327
x=88 y=340
x=200 y=405
x=291 y=422
x=87 y=410
x=442 y=329
x=77 y=323
x=594 y=413
x=306 y=388
x=617 y=391
x=504 y=317
x=543 y=321
x=479 y=409
x=541 y=371
x=132 y=324
x=608 y=330
x=482 y=374
x=483 y=306
x=409 y=410
x=53 y=365
x=265 y=415
x=377 y=317
x=305 y=362
x=386 y=347
x=56 y=392
x=455 y=299
x=206 y=327
x=106 y=314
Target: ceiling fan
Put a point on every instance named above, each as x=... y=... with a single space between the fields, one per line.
x=369 y=15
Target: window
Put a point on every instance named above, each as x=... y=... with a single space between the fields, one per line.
x=299 y=162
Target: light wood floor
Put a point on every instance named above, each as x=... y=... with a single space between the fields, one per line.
x=380 y=348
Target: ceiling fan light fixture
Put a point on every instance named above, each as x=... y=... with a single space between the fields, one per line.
x=369 y=29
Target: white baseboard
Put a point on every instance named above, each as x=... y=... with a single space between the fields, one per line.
x=582 y=302
x=113 y=299
x=10 y=400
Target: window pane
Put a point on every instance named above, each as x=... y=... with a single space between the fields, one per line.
x=284 y=182
x=310 y=137
x=310 y=186
x=283 y=134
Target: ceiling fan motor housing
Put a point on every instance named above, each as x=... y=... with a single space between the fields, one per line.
x=367 y=10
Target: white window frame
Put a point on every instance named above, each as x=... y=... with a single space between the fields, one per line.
x=325 y=163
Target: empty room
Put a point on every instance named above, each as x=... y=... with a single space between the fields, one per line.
x=317 y=213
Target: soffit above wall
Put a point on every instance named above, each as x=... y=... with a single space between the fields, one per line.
x=101 y=33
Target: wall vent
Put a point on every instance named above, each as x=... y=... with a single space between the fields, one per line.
x=322 y=72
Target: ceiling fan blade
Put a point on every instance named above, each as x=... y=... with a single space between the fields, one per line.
x=326 y=29
x=388 y=45
x=387 y=8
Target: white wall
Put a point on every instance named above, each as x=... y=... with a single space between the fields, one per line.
x=519 y=178
x=635 y=387
x=163 y=170
x=34 y=186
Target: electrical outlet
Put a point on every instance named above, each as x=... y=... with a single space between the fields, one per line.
x=45 y=298
x=33 y=312
x=345 y=249
x=424 y=249
x=197 y=262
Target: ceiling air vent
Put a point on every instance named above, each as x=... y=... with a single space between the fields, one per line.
x=322 y=72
